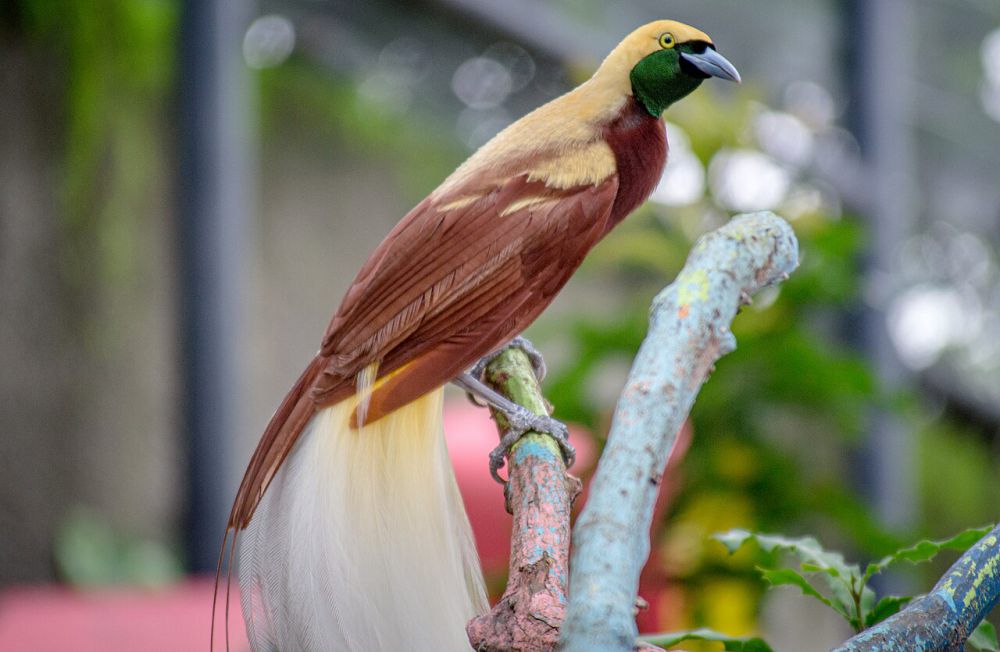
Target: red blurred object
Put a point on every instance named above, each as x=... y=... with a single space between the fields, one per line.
x=57 y=619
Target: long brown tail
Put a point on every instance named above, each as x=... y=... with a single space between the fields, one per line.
x=283 y=430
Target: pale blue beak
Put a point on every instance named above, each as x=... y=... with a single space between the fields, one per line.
x=712 y=64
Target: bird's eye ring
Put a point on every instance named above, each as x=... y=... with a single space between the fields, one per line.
x=667 y=41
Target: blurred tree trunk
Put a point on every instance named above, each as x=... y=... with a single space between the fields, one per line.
x=35 y=337
x=87 y=411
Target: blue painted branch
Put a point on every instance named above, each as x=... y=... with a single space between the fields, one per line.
x=944 y=618
x=688 y=332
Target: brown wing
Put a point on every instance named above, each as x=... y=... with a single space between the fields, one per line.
x=457 y=278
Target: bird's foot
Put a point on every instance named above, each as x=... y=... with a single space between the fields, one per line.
x=521 y=421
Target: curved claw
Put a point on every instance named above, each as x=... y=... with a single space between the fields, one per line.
x=498 y=454
x=522 y=422
x=534 y=355
x=478 y=370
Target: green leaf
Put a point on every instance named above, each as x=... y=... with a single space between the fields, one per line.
x=779 y=576
x=926 y=550
x=984 y=638
x=729 y=643
x=812 y=556
x=842 y=579
x=884 y=608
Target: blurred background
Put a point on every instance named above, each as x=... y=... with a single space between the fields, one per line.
x=186 y=189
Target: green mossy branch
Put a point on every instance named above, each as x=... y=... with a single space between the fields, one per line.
x=511 y=374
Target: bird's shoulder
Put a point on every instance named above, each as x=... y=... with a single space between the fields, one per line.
x=442 y=250
x=561 y=144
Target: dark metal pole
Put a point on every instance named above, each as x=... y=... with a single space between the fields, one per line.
x=214 y=190
x=880 y=49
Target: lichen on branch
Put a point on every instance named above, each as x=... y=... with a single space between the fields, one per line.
x=944 y=618
x=689 y=331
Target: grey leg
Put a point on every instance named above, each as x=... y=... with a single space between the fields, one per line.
x=520 y=420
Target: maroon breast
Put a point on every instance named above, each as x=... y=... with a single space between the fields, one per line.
x=639 y=143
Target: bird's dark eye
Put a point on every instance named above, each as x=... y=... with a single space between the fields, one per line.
x=667 y=40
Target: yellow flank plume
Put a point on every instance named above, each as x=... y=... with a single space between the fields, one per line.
x=351 y=513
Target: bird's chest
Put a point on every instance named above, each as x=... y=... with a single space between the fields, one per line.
x=639 y=143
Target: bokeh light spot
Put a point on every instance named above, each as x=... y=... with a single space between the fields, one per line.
x=482 y=83
x=268 y=41
x=747 y=180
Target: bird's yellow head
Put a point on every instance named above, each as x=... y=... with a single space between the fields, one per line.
x=666 y=60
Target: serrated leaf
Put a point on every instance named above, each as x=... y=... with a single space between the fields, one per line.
x=926 y=550
x=811 y=555
x=729 y=643
x=884 y=608
x=778 y=576
x=842 y=579
x=984 y=638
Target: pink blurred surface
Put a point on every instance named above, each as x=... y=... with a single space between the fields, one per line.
x=169 y=619
x=56 y=619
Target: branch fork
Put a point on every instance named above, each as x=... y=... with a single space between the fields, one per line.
x=689 y=331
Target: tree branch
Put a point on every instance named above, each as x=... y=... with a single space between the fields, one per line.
x=539 y=494
x=944 y=618
x=689 y=331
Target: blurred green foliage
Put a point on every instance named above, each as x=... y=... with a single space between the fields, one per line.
x=90 y=553
x=115 y=61
x=308 y=110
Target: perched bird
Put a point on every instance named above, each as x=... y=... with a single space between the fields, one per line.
x=352 y=534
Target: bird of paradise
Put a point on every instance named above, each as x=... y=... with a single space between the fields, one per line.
x=352 y=534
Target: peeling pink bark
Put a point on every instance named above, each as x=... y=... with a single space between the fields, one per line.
x=539 y=496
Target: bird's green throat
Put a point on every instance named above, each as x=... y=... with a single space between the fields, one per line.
x=660 y=79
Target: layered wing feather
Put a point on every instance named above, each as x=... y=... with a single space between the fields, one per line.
x=454 y=267
x=458 y=277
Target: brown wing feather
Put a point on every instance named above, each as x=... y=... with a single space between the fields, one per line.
x=282 y=430
x=428 y=275
x=553 y=242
